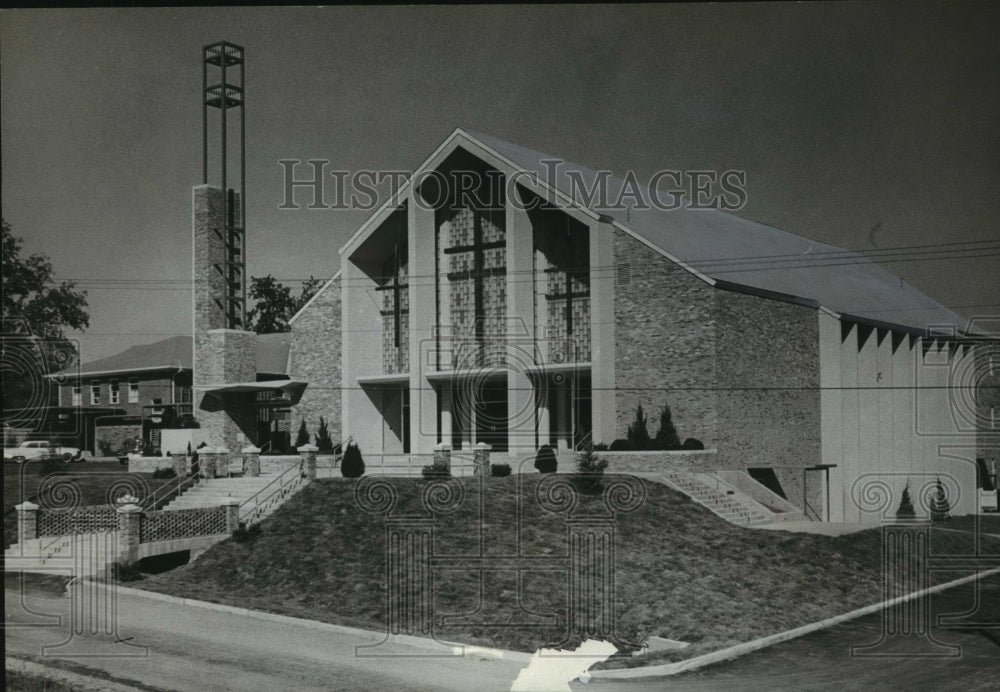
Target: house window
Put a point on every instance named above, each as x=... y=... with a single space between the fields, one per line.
x=77 y=395
x=95 y=394
x=115 y=396
x=133 y=390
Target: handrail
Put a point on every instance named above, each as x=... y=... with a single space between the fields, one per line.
x=150 y=503
x=282 y=482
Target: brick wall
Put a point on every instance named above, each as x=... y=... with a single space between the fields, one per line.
x=151 y=386
x=315 y=358
x=664 y=343
x=768 y=369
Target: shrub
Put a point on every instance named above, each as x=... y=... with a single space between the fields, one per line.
x=302 y=438
x=638 y=433
x=666 y=437
x=245 y=534
x=124 y=571
x=620 y=445
x=906 y=510
x=500 y=470
x=105 y=448
x=601 y=447
x=50 y=465
x=940 y=507
x=692 y=443
x=545 y=460
x=352 y=465
x=323 y=440
x=438 y=469
x=164 y=473
x=590 y=472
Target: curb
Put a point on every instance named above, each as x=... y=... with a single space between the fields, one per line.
x=731 y=652
x=367 y=636
x=72 y=678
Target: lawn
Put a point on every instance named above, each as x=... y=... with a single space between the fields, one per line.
x=61 y=485
x=681 y=572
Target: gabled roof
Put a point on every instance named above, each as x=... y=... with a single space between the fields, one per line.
x=729 y=248
x=718 y=247
x=176 y=352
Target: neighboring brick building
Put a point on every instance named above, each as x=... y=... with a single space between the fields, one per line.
x=521 y=325
x=148 y=388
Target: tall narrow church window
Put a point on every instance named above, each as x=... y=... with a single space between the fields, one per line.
x=395 y=311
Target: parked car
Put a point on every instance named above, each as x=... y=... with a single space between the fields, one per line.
x=40 y=449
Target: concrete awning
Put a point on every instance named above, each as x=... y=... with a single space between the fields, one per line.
x=286 y=393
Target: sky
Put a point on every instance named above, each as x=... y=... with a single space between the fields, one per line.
x=846 y=117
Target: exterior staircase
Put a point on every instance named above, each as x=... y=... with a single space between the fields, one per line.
x=84 y=555
x=731 y=505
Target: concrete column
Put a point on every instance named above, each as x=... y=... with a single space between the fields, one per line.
x=544 y=417
x=831 y=411
x=27 y=521
x=442 y=455
x=481 y=459
x=308 y=454
x=602 y=331
x=251 y=461
x=563 y=425
x=446 y=431
x=521 y=329
x=222 y=462
x=129 y=533
x=423 y=397
x=232 y=507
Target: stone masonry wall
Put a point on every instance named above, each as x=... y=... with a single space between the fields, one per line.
x=315 y=358
x=768 y=369
x=664 y=343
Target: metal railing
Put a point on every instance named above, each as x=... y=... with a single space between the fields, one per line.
x=163 y=495
x=253 y=508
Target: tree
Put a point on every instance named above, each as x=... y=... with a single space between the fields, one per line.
x=638 y=434
x=545 y=460
x=302 y=438
x=274 y=304
x=37 y=310
x=352 y=465
x=906 y=510
x=590 y=472
x=940 y=507
x=323 y=440
x=666 y=436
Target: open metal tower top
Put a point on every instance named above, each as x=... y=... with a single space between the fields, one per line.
x=223 y=88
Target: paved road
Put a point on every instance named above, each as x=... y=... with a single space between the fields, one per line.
x=822 y=660
x=191 y=648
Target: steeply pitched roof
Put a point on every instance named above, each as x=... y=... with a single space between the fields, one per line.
x=176 y=352
x=728 y=248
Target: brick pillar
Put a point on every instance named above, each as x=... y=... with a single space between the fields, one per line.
x=206 y=459
x=232 y=507
x=251 y=461
x=442 y=455
x=308 y=454
x=481 y=459
x=27 y=521
x=222 y=462
x=180 y=465
x=129 y=533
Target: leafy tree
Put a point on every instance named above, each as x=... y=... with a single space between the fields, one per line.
x=352 y=465
x=906 y=510
x=36 y=312
x=302 y=438
x=323 y=439
x=274 y=304
x=590 y=472
x=638 y=433
x=666 y=436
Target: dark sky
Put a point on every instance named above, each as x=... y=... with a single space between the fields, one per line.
x=843 y=116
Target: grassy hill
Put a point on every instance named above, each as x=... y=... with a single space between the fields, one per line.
x=682 y=572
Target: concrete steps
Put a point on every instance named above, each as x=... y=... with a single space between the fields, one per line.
x=734 y=508
x=214 y=491
x=86 y=554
